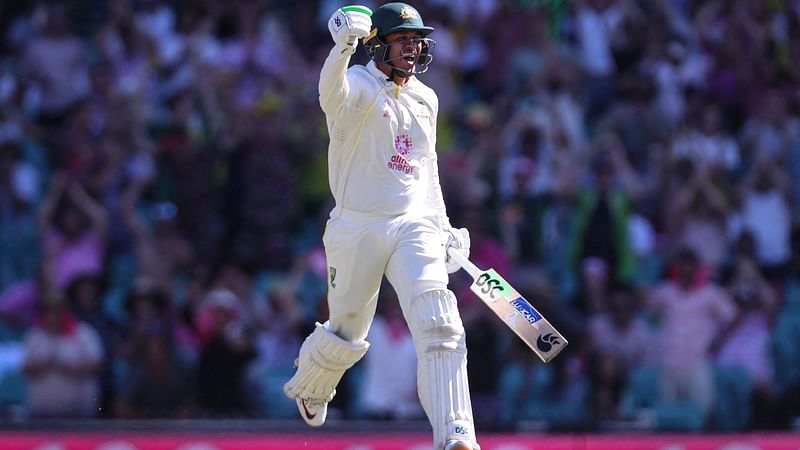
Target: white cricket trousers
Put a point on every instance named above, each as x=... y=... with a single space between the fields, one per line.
x=361 y=248
x=409 y=250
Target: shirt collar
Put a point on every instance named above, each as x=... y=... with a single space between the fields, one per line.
x=373 y=69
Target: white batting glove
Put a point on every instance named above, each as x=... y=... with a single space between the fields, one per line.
x=350 y=23
x=457 y=238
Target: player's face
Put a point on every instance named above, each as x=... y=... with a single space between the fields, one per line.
x=404 y=48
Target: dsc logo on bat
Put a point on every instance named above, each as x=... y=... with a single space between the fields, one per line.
x=526 y=310
x=488 y=285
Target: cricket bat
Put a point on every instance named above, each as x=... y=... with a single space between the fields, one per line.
x=513 y=309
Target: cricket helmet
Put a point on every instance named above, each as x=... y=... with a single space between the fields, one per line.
x=391 y=18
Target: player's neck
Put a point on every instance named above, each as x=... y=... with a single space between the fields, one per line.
x=392 y=75
x=400 y=81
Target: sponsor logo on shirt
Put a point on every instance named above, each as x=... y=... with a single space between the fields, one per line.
x=402 y=145
x=399 y=164
x=387 y=110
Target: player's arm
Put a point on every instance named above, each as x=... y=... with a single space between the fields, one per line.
x=434 y=198
x=454 y=237
x=347 y=25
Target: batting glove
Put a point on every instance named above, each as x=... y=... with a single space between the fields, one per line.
x=457 y=238
x=350 y=23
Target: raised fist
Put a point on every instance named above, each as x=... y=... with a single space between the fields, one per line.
x=350 y=23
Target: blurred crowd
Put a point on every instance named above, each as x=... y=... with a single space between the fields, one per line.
x=630 y=166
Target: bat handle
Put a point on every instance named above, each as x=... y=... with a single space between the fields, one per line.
x=465 y=263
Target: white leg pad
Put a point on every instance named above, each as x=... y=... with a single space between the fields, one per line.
x=442 y=366
x=324 y=357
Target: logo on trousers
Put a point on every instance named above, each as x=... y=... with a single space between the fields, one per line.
x=546 y=342
x=332 y=271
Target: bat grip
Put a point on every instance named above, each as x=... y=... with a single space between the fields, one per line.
x=465 y=263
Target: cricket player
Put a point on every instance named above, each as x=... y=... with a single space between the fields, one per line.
x=389 y=219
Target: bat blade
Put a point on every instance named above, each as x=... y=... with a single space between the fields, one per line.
x=518 y=314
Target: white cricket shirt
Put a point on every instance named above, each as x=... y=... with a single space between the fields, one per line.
x=382 y=156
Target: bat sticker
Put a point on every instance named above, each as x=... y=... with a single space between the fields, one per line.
x=527 y=311
x=488 y=284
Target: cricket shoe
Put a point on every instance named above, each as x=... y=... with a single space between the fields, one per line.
x=314 y=411
x=460 y=445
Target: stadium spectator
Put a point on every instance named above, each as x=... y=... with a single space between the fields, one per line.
x=74 y=229
x=693 y=313
x=227 y=351
x=158 y=384
x=62 y=359
x=84 y=297
x=601 y=251
x=56 y=63
x=697 y=216
x=621 y=330
x=747 y=344
x=765 y=214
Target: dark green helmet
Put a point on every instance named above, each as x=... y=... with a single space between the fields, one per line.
x=391 y=18
x=397 y=16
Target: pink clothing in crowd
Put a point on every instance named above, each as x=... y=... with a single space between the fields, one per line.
x=391 y=361
x=18 y=302
x=748 y=348
x=71 y=258
x=632 y=342
x=690 y=321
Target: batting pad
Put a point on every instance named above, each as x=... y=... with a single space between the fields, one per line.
x=442 y=366
x=324 y=357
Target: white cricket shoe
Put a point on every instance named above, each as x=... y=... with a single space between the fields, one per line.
x=460 y=445
x=314 y=411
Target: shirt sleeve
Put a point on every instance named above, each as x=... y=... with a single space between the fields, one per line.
x=435 y=197
x=334 y=86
